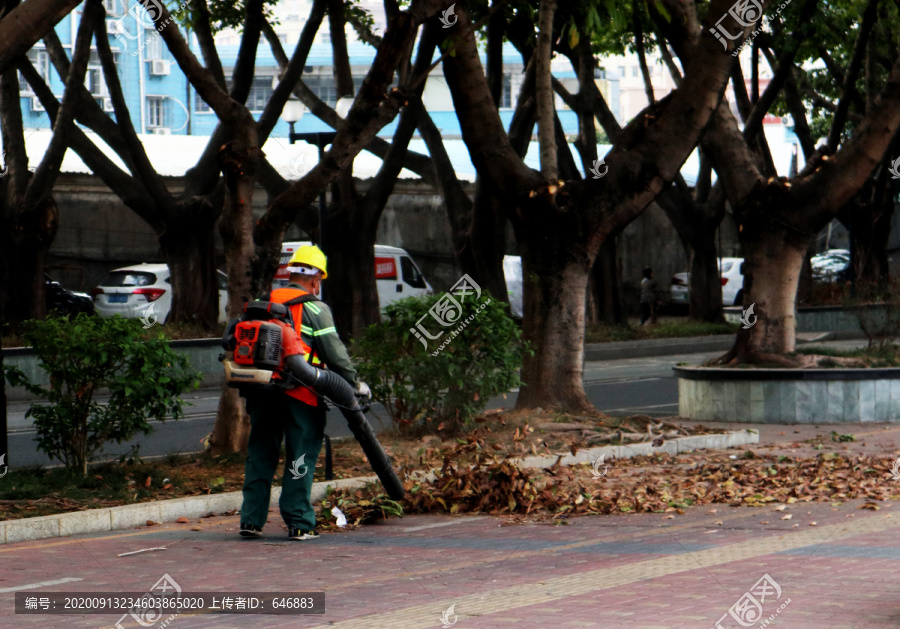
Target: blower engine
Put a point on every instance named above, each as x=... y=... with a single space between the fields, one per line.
x=257 y=345
x=265 y=354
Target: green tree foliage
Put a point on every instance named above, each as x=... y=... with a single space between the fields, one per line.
x=446 y=384
x=83 y=355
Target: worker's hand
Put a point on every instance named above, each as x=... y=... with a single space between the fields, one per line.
x=363 y=390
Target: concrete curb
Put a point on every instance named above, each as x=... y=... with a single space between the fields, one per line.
x=137 y=515
x=658 y=347
x=647 y=348
x=680 y=445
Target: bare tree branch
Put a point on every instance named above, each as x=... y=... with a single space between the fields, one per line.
x=22 y=27
x=143 y=169
x=47 y=171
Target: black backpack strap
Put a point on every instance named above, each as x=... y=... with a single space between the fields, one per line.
x=302 y=299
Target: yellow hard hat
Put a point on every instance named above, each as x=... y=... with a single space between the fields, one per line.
x=309 y=256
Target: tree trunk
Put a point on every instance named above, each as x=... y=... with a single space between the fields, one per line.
x=554 y=284
x=25 y=239
x=771 y=273
x=353 y=292
x=544 y=91
x=871 y=231
x=487 y=241
x=239 y=161
x=607 y=285
x=190 y=250
x=705 y=284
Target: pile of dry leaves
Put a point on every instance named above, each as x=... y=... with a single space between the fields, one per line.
x=657 y=483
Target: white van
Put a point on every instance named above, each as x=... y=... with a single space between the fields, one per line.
x=396 y=274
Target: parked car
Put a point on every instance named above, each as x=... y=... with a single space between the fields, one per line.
x=65 y=301
x=129 y=291
x=396 y=274
x=732 y=284
x=831 y=266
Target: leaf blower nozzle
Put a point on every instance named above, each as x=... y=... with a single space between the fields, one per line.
x=337 y=389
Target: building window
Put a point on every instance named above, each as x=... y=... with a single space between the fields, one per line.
x=506 y=92
x=323 y=86
x=41 y=62
x=325 y=37
x=153 y=48
x=634 y=71
x=93 y=78
x=112 y=7
x=156 y=112
x=260 y=92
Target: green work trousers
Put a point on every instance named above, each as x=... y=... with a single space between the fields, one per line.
x=273 y=416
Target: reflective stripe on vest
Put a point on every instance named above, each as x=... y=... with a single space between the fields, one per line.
x=281 y=295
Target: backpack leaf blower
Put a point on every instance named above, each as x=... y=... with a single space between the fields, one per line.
x=265 y=354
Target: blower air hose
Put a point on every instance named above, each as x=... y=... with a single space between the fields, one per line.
x=337 y=389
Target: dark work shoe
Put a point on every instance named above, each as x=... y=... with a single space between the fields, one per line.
x=296 y=534
x=251 y=530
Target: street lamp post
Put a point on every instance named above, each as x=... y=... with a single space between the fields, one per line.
x=293 y=111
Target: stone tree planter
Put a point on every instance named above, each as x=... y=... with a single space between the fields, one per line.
x=789 y=396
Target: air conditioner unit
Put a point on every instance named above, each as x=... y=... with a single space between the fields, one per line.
x=161 y=131
x=36 y=104
x=159 y=67
x=108 y=104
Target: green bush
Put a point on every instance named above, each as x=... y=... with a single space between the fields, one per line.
x=84 y=354
x=447 y=383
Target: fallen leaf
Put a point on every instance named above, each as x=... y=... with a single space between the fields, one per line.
x=813 y=524
x=787 y=517
x=151 y=523
x=712 y=511
x=147 y=482
x=871 y=506
x=764 y=522
x=780 y=508
x=182 y=520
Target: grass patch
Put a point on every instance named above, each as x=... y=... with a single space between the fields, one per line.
x=672 y=328
x=43 y=491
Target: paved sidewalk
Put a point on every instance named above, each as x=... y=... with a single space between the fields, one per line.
x=643 y=571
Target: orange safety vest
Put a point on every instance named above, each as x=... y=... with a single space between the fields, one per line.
x=280 y=296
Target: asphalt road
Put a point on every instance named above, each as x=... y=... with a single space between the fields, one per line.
x=622 y=387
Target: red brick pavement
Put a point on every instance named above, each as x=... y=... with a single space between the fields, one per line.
x=640 y=571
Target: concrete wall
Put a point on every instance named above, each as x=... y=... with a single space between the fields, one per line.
x=203 y=355
x=797 y=401
x=98 y=233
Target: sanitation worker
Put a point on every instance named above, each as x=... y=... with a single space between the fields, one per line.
x=298 y=414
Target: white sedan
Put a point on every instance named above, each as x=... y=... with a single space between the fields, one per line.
x=732 y=284
x=142 y=291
